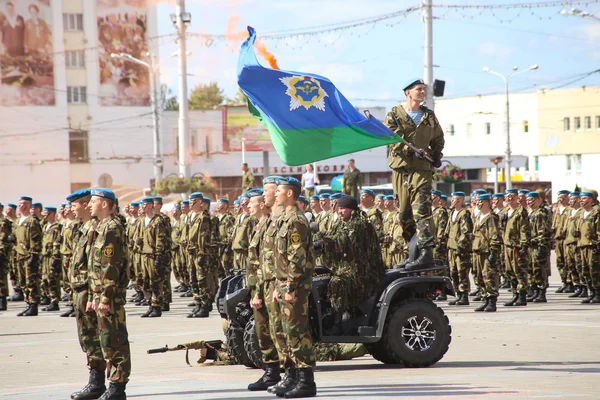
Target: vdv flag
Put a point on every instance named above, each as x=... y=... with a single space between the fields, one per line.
x=308 y=118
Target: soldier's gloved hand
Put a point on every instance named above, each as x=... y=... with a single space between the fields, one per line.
x=420 y=154
x=439 y=248
x=201 y=261
x=459 y=253
x=318 y=244
x=493 y=258
x=437 y=160
x=56 y=263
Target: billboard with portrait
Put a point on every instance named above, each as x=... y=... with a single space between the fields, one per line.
x=239 y=124
x=123 y=28
x=26 y=57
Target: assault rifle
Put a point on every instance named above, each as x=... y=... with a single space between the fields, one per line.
x=209 y=350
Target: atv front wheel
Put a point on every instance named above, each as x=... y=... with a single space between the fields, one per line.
x=251 y=346
x=235 y=345
x=417 y=333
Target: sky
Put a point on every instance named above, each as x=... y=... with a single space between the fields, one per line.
x=370 y=63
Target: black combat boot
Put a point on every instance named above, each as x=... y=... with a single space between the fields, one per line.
x=424 y=260
x=165 y=306
x=93 y=389
x=32 y=311
x=512 y=301
x=577 y=292
x=505 y=283
x=522 y=300
x=306 y=386
x=533 y=293
x=455 y=301
x=270 y=377
x=570 y=288
x=541 y=297
x=596 y=298
x=67 y=313
x=52 y=307
x=287 y=383
x=561 y=289
x=491 y=306
x=203 y=312
x=584 y=292
x=464 y=300
x=192 y=304
x=194 y=311
x=22 y=313
x=65 y=297
x=148 y=312
x=45 y=301
x=17 y=296
x=478 y=296
x=3 y=303
x=474 y=292
x=156 y=312
x=116 y=391
x=592 y=294
x=176 y=289
x=483 y=305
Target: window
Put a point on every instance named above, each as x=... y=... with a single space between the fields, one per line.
x=573 y=162
x=567 y=124
x=568 y=160
x=598 y=122
x=472 y=174
x=525 y=126
x=536 y=162
x=78 y=147
x=488 y=128
x=451 y=129
x=73 y=22
x=577 y=123
x=588 y=123
x=76 y=95
x=75 y=59
x=469 y=129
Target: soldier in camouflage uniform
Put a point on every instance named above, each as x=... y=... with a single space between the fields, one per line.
x=240 y=237
x=198 y=242
x=517 y=236
x=379 y=200
x=51 y=260
x=439 y=221
x=315 y=206
x=589 y=246
x=5 y=253
x=166 y=259
x=226 y=223
x=388 y=221
x=28 y=234
x=459 y=238
x=212 y=272
x=367 y=203
x=539 y=250
x=412 y=175
x=486 y=252
x=559 y=224
x=175 y=244
x=107 y=285
x=70 y=227
x=294 y=266
x=572 y=252
x=500 y=210
x=352 y=180
x=11 y=215
x=247 y=178
x=323 y=217
x=184 y=222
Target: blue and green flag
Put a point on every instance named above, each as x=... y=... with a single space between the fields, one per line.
x=308 y=118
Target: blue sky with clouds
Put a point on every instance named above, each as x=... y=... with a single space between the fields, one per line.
x=370 y=63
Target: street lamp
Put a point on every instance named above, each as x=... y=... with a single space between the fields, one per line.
x=154 y=104
x=496 y=161
x=506 y=78
x=578 y=13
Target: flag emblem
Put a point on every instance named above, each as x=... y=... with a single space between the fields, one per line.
x=304 y=91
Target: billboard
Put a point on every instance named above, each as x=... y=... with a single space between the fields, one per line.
x=26 y=57
x=123 y=28
x=239 y=124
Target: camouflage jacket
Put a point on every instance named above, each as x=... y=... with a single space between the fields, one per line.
x=29 y=236
x=5 y=232
x=376 y=219
x=83 y=239
x=352 y=179
x=589 y=229
x=573 y=223
x=266 y=272
x=439 y=221
x=240 y=237
x=486 y=236
x=255 y=256
x=397 y=233
x=226 y=223
x=559 y=222
x=155 y=238
x=541 y=229
x=518 y=230
x=247 y=181
x=199 y=233
x=51 y=240
x=68 y=237
x=459 y=231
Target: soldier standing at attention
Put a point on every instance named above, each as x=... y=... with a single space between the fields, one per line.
x=412 y=175
x=13 y=274
x=212 y=270
x=517 y=236
x=175 y=244
x=198 y=248
x=323 y=217
x=539 y=251
x=522 y=193
x=240 y=238
x=439 y=221
x=388 y=221
x=185 y=268
x=70 y=227
x=572 y=252
x=367 y=202
x=315 y=206
x=166 y=290
x=51 y=260
x=589 y=246
x=379 y=199
x=352 y=180
x=247 y=178
x=107 y=285
x=5 y=253
x=559 y=225
x=28 y=234
x=458 y=233
x=226 y=223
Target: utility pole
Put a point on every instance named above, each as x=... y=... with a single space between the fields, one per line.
x=184 y=130
x=428 y=52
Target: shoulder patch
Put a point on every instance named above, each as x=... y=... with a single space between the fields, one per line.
x=296 y=238
x=108 y=251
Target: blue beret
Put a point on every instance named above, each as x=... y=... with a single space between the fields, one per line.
x=158 y=199
x=206 y=200
x=482 y=197
x=412 y=82
x=574 y=194
x=69 y=203
x=37 y=205
x=587 y=194
x=104 y=193
x=511 y=191
x=303 y=199
x=444 y=197
x=336 y=196
x=523 y=191
x=314 y=197
x=236 y=202
x=289 y=181
x=498 y=195
x=147 y=200
x=325 y=196
x=223 y=200
x=177 y=207
x=186 y=202
x=244 y=196
x=380 y=196
x=11 y=205
x=63 y=205
x=480 y=191
x=563 y=192
x=50 y=209
x=25 y=198
x=533 y=194
x=436 y=192
x=134 y=204
x=269 y=180
x=256 y=191
x=196 y=195
x=459 y=194
x=78 y=194
x=369 y=192
x=389 y=197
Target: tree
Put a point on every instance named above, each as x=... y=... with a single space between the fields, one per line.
x=239 y=99
x=168 y=102
x=206 y=97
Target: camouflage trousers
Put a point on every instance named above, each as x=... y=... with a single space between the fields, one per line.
x=539 y=270
x=206 y=283
x=413 y=192
x=340 y=289
x=573 y=263
x=561 y=261
x=274 y=311
x=50 y=280
x=294 y=318
x=440 y=254
x=155 y=278
x=4 y=278
x=193 y=277
x=176 y=264
x=182 y=267
x=87 y=331
x=351 y=190
x=590 y=271
x=266 y=342
x=29 y=279
x=490 y=276
x=459 y=269
x=66 y=285
x=114 y=340
x=516 y=269
x=239 y=259
x=398 y=252
x=226 y=261
x=138 y=270
x=339 y=351
x=166 y=289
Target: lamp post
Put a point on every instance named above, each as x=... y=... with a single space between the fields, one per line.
x=496 y=161
x=506 y=78
x=578 y=13
x=154 y=104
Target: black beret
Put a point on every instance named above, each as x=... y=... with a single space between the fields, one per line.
x=348 y=202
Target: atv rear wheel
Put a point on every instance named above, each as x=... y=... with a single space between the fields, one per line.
x=417 y=333
x=235 y=345
x=251 y=346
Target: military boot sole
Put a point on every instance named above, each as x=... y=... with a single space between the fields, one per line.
x=300 y=391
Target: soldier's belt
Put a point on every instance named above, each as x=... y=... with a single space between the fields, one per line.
x=80 y=288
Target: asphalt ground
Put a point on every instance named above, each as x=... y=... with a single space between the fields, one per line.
x=542 y=351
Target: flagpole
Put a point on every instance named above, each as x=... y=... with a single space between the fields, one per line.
x=243 y=150
x=428 y=51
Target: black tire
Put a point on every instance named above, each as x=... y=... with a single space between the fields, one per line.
x=380 y=353
x=251 y=344
x=235 y=346
x=417 y=333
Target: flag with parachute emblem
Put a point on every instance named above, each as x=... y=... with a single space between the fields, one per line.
x=308 y=118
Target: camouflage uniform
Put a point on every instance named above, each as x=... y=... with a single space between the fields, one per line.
x=176 y=251
x=352 y=182
x=516 y=241
x=502 y=214
x=487 y=252
x=66 y=250
x=240 y=239
x=559 y=224
x=247 y=181
x=28 y=233
x=107 y=285
x=167 y=259
x=412 y=177
x=137 y=243
x=458 y=234
x=5 y=254
x=338 y=351
x=589 y=246
x=388 y=220
x=184 y=222
x=572 y=252
x=198 y=248
x=398 y=250
x=154 y=253
x=376 y=219
x=226 y=223
x=439 y=221
x=216 y=272
x=539 y=251
x=51 y=261
x=294 y=266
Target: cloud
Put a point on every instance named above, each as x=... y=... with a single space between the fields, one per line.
x=494 y=49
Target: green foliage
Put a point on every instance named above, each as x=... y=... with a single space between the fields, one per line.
x=239 y=99
x=206 y=97
x=168 y=101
